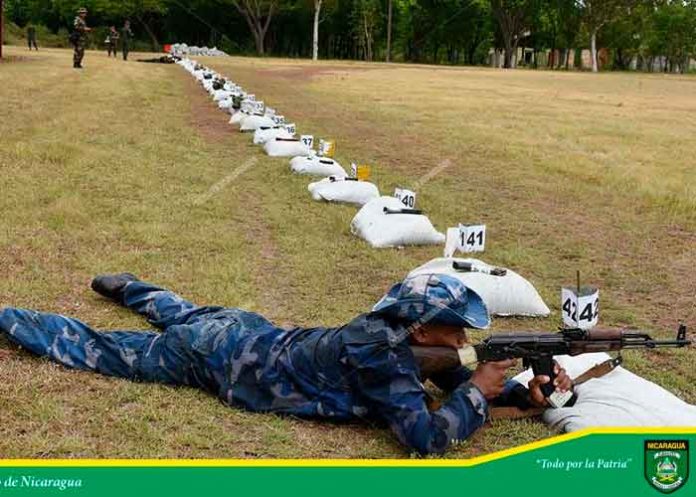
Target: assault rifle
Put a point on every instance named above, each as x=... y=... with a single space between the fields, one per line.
x=537 y=350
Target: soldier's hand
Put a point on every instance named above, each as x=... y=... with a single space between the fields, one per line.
x=562 y=382
x=489 y=377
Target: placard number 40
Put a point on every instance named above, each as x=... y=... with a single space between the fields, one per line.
x=406 y=197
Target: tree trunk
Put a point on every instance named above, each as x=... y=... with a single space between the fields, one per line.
x=315 y=31
x=507 y=61
x=389 y=30
x=593 y=50
x=259 y=43
x=257 y=26
x=153 y=38
x=2 y=24
x=368 y=39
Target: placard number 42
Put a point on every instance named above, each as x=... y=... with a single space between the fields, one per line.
x=589 y=308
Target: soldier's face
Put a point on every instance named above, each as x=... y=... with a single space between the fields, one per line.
x=436 y=335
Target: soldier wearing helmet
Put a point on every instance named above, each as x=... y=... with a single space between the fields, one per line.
x=364 y=369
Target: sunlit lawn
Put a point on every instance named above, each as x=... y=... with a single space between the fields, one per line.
x=105 y=169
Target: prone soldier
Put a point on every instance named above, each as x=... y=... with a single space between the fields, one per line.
x=364 y=369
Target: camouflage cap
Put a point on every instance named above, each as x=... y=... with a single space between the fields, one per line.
x=434 y=298
x=82 y=10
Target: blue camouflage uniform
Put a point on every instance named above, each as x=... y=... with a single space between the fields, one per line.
x=364 y=369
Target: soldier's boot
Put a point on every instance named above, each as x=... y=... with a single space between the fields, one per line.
x=112 y=285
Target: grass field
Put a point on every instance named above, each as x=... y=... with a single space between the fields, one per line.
x=129 y=166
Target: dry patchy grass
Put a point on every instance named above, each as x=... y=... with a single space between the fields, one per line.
x=103 y=170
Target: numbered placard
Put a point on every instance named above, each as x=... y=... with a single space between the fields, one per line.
x=360 y=171
x=363 y=172
x=472 y=238
x=270 y=112
x=307 y=140
x=451 y=242
x=278 y=120
x=406 y=197
x=290 y=128
x=258 y=106
x=580 y=311
x=327 y=148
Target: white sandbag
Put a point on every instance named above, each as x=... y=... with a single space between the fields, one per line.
x=508 y=295
x=255 y=121
x=262 y=135
x=286 y=147
x=620 y=398
x=237 y=117
x=225 y=104
x=341 y=189
x=381 y=229
x=317 y=166
x=220 y=95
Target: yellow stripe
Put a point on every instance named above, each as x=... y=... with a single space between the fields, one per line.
x=342 y=463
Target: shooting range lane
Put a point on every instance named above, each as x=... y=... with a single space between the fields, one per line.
x=259 y=117
x=253 y=115
x=373 y=271
x=397 y=224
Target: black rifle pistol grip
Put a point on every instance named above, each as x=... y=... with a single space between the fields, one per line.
x=543 y=365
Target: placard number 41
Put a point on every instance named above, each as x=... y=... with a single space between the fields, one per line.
x=472 y=238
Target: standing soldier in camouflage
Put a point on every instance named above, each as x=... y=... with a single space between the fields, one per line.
x=112 y=41
x=79 y=37
x=31 y=37
x=364 y=369
x=126 y=35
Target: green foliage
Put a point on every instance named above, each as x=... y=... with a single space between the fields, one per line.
x=14 y=35
x=433 y=31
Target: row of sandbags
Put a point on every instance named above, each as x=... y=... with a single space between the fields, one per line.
x=183 y=50
x=381 y=220
x=619 y=398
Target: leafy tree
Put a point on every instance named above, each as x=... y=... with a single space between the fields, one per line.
x=258 y=15
x=514 y=21
x=598 y=13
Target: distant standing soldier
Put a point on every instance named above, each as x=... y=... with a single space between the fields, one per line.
x=79 y=37
x=126 y=35
x=31 y=37
x=112 y=41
